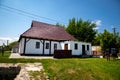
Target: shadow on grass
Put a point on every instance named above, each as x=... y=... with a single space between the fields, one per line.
x=9 y=73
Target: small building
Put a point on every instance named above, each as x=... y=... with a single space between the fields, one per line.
x=15 y=48
x=96 y=51
x=42 y=39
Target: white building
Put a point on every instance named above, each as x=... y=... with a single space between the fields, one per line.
x=43 y=39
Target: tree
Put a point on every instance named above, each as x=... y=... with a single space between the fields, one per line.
x=9 y=47
x=96 y=41
x=12 y=44
x=107 y=40
x=81 y=30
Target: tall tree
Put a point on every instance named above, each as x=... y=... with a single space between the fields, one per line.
x=107 y=40
x=96 y=41
x=81 y=30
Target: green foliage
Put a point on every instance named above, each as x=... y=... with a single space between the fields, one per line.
x=9 y=47
x=12 y=44
x=96 y=40
x=81 y=30
x=107 y=40
x=60 y=25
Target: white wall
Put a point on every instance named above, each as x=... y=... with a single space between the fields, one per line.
x=52 y=46
x=21 y=45
x=76 y=51
x=31 y=47
x=71 y=46
x=63 y=44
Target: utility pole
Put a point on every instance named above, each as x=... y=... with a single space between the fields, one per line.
x=7 y=42
x=114 y=30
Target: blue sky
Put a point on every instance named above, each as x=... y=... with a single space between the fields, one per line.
x=105 y=13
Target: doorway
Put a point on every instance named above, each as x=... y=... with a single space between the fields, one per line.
x=66 y=47
x=83 y=49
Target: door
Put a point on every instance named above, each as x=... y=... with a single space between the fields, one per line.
x=66 y=47
x=83 y=49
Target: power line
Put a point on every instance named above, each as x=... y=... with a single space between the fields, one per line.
x=16 y=12
x=31 y=15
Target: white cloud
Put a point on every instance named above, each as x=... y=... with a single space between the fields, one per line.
x=4 y=40
x=96 y=28
x=98 y=24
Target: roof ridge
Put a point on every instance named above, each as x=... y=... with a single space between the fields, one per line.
x=44 y=24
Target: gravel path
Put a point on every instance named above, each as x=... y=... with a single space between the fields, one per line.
x=17 y=55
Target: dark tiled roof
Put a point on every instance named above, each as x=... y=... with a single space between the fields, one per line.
x=41 y=30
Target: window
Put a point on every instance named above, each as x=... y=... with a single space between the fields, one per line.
x=87 y=47
x=76 y=46
x=47 y=45
x=55 y=46
x=37 y=45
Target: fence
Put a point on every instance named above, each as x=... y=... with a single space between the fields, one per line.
x=62 y=53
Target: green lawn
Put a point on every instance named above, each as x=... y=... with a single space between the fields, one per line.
x=75 y=68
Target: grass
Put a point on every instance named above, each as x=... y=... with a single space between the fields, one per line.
x=37 y=75
x=74 y=68
x=82 y=69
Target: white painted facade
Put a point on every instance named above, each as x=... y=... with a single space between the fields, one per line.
x=78 y=51
x=31 y=47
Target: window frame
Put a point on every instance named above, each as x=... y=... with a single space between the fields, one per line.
x=76 y=46
x=88 y=47
x=37 y=46
x=47 y=46
x=55 y=46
